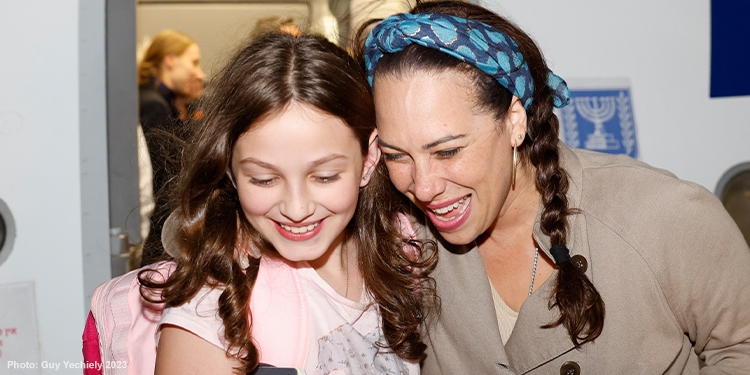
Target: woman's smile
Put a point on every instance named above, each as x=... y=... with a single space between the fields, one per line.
x=450 y=216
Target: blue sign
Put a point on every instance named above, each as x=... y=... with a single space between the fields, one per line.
x=730 y=48
x=599 y=120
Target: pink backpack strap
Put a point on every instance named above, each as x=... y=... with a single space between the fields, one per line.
x=126 y=323
x=279 y=314
x=91 y=355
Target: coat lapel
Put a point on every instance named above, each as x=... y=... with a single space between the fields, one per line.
x=467 y=314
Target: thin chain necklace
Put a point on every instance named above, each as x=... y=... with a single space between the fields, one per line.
x=533 y=271
x=346 y=270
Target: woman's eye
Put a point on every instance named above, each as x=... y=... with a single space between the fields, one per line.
x=261 y=182
x=327 y=179
x=391 y=157
x=448 y=153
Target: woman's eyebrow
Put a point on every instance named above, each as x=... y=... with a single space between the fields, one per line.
x=380 y=142
x=442 y=140
x=428 y=146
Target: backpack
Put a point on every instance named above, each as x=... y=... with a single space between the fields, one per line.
x=122 y=324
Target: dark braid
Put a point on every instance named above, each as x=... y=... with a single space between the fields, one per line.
x=581 y=307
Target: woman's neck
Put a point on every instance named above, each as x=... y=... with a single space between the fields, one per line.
x=518 y=212
x=508 y=249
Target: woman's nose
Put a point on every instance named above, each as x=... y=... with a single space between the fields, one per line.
x=427 y=184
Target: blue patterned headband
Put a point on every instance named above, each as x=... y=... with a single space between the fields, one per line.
x=472 y=42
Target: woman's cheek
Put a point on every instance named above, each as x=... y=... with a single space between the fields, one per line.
x=400 y=177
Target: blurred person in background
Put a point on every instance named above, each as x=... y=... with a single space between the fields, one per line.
x=170 y=79
x=275 y=24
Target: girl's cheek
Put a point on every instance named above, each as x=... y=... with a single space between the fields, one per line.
x=346 y=201
x=256 y=203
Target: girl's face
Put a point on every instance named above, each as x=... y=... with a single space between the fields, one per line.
x=298 y=174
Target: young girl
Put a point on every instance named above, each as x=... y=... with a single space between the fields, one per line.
x=284 y=215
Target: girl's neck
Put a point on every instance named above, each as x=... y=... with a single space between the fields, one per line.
x=340 y=268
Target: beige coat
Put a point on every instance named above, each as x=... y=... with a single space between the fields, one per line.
x=669 y=262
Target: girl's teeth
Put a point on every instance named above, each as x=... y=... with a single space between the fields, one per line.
x=298 y=230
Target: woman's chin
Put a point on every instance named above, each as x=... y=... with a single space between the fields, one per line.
x=459 y=237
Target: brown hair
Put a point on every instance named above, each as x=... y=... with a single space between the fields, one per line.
x=262 y=79
x=581 y=306
x=167 y=42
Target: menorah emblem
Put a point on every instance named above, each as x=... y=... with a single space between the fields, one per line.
x=598 y=110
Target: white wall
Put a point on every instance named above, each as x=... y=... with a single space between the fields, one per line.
x=44 y=157
x=218 y=29
x=663 y=47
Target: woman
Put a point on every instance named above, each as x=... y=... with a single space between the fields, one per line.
x=170 y=78
x=537 y=238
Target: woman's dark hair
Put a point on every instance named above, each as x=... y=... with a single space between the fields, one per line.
x=581 y=307
x=265 y=77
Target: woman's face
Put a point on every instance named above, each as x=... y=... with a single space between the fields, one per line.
x=298 y=175
x=185 y=72
x=451 y=159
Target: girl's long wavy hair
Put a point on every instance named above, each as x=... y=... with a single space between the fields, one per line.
x=581 y=307
x=262 y=79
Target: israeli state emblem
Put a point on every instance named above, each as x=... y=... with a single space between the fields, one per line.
x=599 y=118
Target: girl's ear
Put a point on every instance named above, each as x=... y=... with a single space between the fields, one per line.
x=371 y=159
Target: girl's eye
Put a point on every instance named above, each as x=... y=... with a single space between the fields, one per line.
x=327 y=179
x=448 y=153
x=261 y=182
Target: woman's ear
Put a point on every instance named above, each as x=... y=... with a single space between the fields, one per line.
x=516 y=121
x=168 y=61
x=371 y=159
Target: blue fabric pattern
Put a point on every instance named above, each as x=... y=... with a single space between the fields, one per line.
x=473 y=42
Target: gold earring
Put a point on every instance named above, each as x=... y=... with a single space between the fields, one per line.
x=515 y=165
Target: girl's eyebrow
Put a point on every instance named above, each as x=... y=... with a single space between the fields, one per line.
x=257 y=162
x=312 y=164
x=327 y=159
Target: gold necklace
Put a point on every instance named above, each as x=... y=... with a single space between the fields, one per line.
x=346 y=270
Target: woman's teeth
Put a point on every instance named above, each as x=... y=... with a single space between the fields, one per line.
x=446 y=209
x=298 y=230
